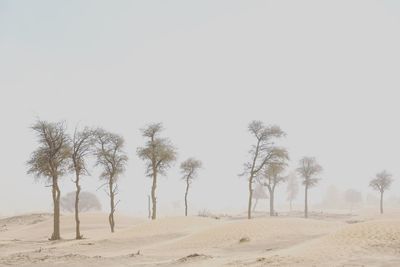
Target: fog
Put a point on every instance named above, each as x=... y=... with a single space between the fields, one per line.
x=326 y=72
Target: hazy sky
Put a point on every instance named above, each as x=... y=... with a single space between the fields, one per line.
x=327 y=72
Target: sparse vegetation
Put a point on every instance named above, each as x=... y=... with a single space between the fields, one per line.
x=112 y=159
x=381 y=183
x=308 y=171
x=264 y=151
x=159 y=154
x=189 y=170
x=50 y=161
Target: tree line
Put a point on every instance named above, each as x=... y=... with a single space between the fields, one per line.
x=60 y=153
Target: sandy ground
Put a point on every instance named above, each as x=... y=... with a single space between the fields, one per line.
x=325 y=239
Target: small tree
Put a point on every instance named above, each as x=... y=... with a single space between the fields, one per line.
x=273 y=176
x=112 y=158
x=82 y=144
x=189 y=170
x=50 y=161
x=308 y=170
x=292 y=189
x=158 y=153
x=352 y=197
x=261 y=153
x=381 y=183
x=87 y=202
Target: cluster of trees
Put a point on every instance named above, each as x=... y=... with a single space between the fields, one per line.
x=268 y=163
x=59 y=154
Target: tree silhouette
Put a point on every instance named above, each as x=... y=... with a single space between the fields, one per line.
x=158 y=153
x=51 y=161
x=189 y=170
x=381 y=183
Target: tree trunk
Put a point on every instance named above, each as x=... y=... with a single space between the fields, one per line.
x=306 y=202
x=271 y=202
x=153 y=195
x=186 y=194
x=381 y=206
x=77 y=222
x=250 y=196
x=56 y=208
x=112 y=206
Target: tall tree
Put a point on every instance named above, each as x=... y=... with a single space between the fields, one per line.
x=272 y=176
x=381 y=183
x=189 y=170
x=308 y=170
x=82 y=146
x=158 y=153
x=261 y=153
x=292 y=189
x=50 y=161
x=112 y=158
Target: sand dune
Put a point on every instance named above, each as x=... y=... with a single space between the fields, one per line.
x=196 y=241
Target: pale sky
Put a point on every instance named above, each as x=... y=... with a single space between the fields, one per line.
x=327 y=72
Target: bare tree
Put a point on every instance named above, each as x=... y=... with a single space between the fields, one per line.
x=87 y=202
x=189 y=170
x=82 y=146
x=261 y=153
x=158 y=153
x=308 y=170
x=50 y=161
x=352 y=197
x=272 y=176
x=381 y=183
x=112 y=158
x=292 y=189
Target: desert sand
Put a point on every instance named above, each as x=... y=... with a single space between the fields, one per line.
x=325 y=239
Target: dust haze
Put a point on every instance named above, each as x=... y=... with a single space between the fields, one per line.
x=196 y=123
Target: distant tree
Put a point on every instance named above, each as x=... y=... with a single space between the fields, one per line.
x=333 y=198
x=112 y=159
x=158 y=153
x=261 y=153
x=352 y=197
x=82 y=146
x=272 y=176
x=87 y=202
x=308 y=170
x=259 y=193
x=381 y=183
x=50 y=161
x=292 y=189
x=189 y=170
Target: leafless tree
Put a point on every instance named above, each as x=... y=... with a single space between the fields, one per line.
x=50 y=161
x=189 y=170
x=292 y=189
x=82 y=146
x=112 y=158
x=308 y=170
x=87 y=202
x=158 y=153
x=261 y=153
x=272 y=175
x=381 y=183
x=352 y=197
